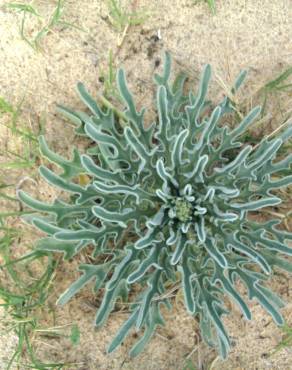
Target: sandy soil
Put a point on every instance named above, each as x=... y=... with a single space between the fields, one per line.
x=8 y=341
x=249 y=34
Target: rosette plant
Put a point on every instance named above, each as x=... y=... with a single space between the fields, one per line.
x=168 y=206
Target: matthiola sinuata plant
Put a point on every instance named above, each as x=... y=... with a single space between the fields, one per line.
x=167 y=207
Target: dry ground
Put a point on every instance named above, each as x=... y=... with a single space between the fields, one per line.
x=253 y=34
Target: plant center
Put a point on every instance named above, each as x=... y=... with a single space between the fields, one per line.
x=183 y=209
